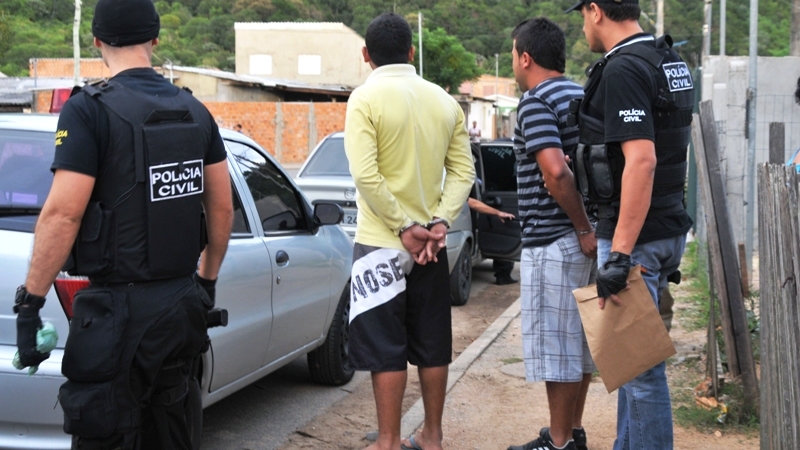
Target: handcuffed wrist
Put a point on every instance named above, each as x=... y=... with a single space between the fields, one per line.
x=436 y=221
x=582 y=232
x=407 y=227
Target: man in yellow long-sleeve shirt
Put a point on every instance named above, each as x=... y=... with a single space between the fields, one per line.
x=402 y=134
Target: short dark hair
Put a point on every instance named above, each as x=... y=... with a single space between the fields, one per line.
x=619 y=12
x=797 y=92
x=544 y=41
x=388 y=39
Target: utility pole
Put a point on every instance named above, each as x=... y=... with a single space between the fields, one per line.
x=794 y=44
x=419 y=24
x=76 y=43
x=707 y=31
x=723 y=19
x=659 y=17
x=751 y=133
x=496 y=95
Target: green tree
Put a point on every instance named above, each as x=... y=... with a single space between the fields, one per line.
x=444 y=60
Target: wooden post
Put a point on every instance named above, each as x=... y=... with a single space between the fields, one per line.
x=777 y=143
x=724 y=258
x=743 y=267
x=779 y=266
x=711 y=342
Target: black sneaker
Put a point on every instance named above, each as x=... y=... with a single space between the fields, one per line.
x=578 y=435
x=543 y=442
x=503 y=280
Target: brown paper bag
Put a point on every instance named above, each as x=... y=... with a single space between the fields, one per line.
x=624 y=340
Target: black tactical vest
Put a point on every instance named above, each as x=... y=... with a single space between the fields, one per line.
x=598 y=167
x=145 y=220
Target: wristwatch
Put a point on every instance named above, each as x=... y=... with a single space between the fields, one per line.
x=24 y=298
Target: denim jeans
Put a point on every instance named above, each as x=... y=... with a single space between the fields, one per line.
x=644 y=412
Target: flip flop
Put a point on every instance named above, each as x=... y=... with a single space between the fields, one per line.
x=414 y=445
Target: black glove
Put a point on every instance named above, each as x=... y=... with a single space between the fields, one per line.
x=209 y=286
x=674 y=277
x=613 y=276
x=27 y=307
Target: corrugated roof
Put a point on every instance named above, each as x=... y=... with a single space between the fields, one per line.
x=19 y=91
x=273 y=83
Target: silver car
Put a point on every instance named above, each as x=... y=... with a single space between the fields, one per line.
x=325 y=177
x=284 y=282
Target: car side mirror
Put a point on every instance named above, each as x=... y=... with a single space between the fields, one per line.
x=494 y=201
x=328 y=213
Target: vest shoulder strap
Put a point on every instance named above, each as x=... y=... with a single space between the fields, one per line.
x=649 y=53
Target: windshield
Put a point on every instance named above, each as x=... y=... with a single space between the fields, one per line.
x=25 y=177
x=328 y=160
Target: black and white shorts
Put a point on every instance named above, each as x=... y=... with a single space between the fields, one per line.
x=399 y=311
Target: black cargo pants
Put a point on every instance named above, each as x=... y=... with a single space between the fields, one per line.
x=128 y=361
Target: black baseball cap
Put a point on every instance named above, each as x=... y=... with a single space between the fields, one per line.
x=586 y=2
x=125 y=22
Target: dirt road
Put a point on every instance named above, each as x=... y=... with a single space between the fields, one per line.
x=492 y=407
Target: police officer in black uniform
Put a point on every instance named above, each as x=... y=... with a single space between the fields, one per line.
x=141 y=187
x=631 y=162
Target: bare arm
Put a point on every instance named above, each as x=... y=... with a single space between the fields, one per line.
x=561 y=185
x=57 y=228
x=219 y=218
x=637 y=188
x=483 y=208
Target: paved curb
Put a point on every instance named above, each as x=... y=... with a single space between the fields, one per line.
x=415 y=416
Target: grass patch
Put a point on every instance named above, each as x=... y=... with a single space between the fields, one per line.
x=689 y=415
x=695 y=277
x=694 y=294
x=511 y=360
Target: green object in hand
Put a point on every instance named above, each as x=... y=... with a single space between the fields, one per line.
x=46 y=341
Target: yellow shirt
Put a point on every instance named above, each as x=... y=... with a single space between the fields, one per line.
x=402 y=134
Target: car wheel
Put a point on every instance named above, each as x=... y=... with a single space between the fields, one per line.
x=330 y=363
x=194 y=413
x=461 y=277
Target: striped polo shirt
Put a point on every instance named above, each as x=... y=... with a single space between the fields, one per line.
x=542 y=123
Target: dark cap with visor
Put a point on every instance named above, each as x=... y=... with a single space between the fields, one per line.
x=586 y=2
x=120 y=23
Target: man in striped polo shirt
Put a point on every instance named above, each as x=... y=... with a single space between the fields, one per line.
x=558 y=239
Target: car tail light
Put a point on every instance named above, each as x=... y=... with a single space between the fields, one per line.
x=60 y=96
x=66 y=288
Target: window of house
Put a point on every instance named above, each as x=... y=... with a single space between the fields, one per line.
x=309 y=64
x=260 y=64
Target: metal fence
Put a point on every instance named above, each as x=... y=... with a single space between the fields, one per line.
x=779 y=239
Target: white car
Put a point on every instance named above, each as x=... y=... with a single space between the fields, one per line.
x=325 y=177
x=285 y=283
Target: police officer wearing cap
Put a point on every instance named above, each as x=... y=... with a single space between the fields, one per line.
x=141 y=188
x=635 y=124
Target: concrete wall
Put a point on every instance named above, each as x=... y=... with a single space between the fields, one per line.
x=338 y=46
x=725 y=82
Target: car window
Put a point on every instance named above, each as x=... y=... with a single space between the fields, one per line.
x=277 y=202
x=25 y=159
x=329 y=160
x=240 y=224
x=499 y=168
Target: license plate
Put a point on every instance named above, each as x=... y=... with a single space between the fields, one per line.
x=350 y=217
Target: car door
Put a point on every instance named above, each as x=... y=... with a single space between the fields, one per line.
x=299 y=254
x=496 y=169
x=246 y=292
